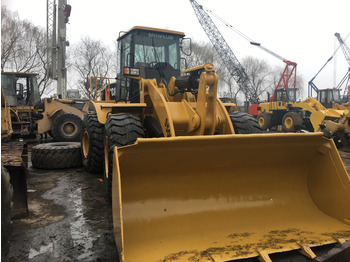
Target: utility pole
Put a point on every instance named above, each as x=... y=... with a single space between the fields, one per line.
x=57 y=17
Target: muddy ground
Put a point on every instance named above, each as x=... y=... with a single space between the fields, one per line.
x=70 y=218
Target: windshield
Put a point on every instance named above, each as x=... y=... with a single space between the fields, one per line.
x=155 y=48
x=336 y=96
x=150 y=48
x=291 y=95
x=36 y=93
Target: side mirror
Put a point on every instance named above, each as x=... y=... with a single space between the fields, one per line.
x=186 y=46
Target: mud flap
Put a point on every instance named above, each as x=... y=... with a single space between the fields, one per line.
x=224 y=198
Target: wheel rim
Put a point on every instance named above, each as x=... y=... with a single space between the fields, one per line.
x=85 y=143
x=69 y=129
x=106 y=157
x=288 y=122
x=261 y=121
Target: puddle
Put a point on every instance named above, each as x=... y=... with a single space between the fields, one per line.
x=43 y=249
x=82 y=237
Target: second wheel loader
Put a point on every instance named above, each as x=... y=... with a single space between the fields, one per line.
x=293 y=115
x=191 y=182
x=29 y=115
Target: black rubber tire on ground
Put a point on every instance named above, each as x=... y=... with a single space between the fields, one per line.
x=264 y=120
x=244 y=123
x=67 y=127
x=121 y=129
x=92 y=144
x=56 y=155
x=291 y=122
x=6 y=211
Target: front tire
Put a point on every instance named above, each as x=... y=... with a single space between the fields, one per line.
x=291 y=122
x=244 y=123
x=264 y=120
x=92 y=144
x=120 y=130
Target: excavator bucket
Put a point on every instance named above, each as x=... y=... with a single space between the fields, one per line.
x=229 y=197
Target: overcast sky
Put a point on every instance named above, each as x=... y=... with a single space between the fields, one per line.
x=300 y=30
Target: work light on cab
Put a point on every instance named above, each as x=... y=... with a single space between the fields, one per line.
x=128 y=71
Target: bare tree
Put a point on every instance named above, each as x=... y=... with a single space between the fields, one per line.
x=259 y=73
x=204 y=52
x=91 y=57
x=23 y=47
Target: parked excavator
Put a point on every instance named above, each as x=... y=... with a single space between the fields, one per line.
x=187 y=185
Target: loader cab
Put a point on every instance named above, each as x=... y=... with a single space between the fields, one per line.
x=147 y=53
x=328 y=97
x=21 y=89
x=285 y=95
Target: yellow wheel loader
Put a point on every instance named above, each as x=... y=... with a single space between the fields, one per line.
x=293 y=116
x=61 y=118
x=191 y=182
x=339 y=129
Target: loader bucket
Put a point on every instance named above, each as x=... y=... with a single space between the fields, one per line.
x=228 y=197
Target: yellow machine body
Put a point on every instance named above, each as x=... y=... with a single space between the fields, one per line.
x=183 y=114
x=203 y=192
x=318 y=113
x=28 y=113
x=341 y=127
x=213 y=198
x=6 y=125
x=54 y=107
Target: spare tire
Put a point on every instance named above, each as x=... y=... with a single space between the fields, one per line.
x=56 y=155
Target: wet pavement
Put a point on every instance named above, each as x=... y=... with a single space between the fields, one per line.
x=70 y=219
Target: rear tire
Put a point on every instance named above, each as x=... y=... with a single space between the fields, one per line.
x=6 y=211
x=67 y=128
x=92 y=144
x=120 y=130
x=244 y=123
x=56 y=155
x=291 y=121
x=264 y=120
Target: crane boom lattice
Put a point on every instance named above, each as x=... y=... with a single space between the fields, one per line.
x=51 y=54
x=344 y=47
x=346 y=50
x=225 y=52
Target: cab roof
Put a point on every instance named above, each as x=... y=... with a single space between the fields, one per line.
x=19 y=74
x=151 y=29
